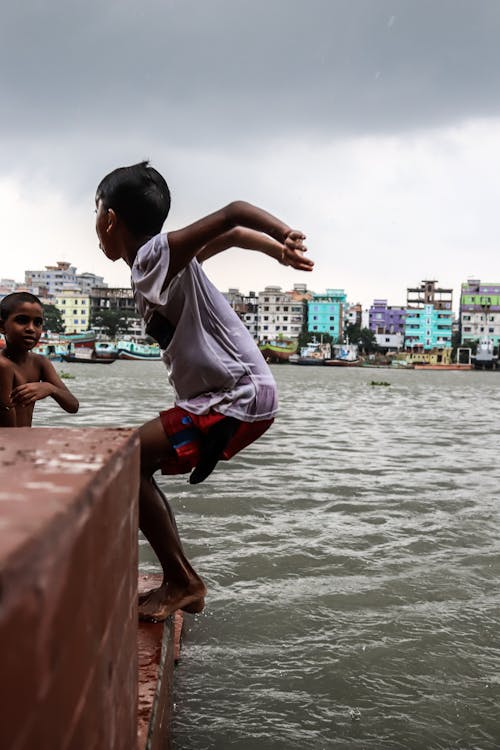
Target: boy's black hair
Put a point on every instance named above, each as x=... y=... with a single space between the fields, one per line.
x=11 y=302
x=139 y=195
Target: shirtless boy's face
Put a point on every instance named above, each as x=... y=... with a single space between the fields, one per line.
x=23 y=327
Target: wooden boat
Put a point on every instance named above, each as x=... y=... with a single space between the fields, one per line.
x=88 y=361
x=343 y=362
x=278 y=350
x=134 y=350
x=106 y=350
x=313 y=354
x=442 y=367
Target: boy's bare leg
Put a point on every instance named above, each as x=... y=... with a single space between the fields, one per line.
x=182 y=587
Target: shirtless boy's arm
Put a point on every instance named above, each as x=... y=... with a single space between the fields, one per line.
x=249 y=239
x=50 y=385
x=186 y=243
x=7 y=411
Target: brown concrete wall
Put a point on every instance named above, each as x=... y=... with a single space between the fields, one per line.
x=68 y=589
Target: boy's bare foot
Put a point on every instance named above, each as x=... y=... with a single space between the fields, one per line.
x=156 y=605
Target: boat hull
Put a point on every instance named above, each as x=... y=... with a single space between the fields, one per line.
x=276 y=353
x=137 y=356
x=88 y=360
x=342 y=362
x=442 y=367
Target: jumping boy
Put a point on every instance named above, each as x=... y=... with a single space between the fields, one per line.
x=225 y=395
x=26 y=377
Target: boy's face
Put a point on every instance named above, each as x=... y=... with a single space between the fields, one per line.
x=105 y=228
x=23 y=327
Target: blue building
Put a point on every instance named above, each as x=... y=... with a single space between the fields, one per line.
x=428 y=328
x=325 y=313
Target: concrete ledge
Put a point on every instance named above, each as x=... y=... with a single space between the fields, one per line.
x=68 y=588
x=159 y=650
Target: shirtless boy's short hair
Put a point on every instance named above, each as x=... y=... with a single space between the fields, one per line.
x=11 y=302
x=139 y=195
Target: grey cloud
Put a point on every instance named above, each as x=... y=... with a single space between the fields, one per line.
x=217 y=71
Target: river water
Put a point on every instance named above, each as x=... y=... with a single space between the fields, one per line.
x=352 y=557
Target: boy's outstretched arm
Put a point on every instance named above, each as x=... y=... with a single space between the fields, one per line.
x=186 y=243
x=289 y=253
x=50 y=384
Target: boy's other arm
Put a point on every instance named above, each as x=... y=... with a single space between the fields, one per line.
x=50 y=384
x=7 y=411
x=289 y=253
x=186 y=243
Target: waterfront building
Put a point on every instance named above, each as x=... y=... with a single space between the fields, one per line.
x=88 y=281
x=429 y=294
x=386 y=319
x=120 y=299
x=74 y=306
x=428 y=328
x=429 y=316
x=246 y=307
x=280 y=314
x=62 y=276
x=53 y=278
x=326 y=313
x=7 y=286
x=479 y=311
x=353 y=315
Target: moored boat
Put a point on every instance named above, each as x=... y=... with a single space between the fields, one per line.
x=313 y=354
x=86 y=355
x=277 y=351
x=134 y=350
x=485 y=357
x=346 y=355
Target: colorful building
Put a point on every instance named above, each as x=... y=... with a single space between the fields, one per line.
x=429 y=316
x=385 y=319
x=479 y=311
x=428 y=328
x=326 y=313
x=74 y=306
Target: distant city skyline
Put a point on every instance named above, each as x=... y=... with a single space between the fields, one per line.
x=304 y=280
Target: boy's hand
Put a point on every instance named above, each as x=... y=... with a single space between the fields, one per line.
x=28 y=393
x=293 y=251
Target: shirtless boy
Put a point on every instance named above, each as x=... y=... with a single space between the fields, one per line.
x=225 y=394
x=26 y=377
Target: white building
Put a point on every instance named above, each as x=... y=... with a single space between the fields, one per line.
x=391 y=342
x=279 y=315
x=88 y=281
x=62 y=276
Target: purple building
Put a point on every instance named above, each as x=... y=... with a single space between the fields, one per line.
x=385 y=319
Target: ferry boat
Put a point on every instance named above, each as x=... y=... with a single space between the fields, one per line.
x=313 y=354
x=346 y=355
x=485 y=357
x=436 y=359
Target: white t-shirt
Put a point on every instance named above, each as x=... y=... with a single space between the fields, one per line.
x=212 y=361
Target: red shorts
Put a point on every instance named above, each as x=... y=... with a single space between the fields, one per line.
x=184 y=430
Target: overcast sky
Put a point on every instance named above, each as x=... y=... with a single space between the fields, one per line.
x=371 y=125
